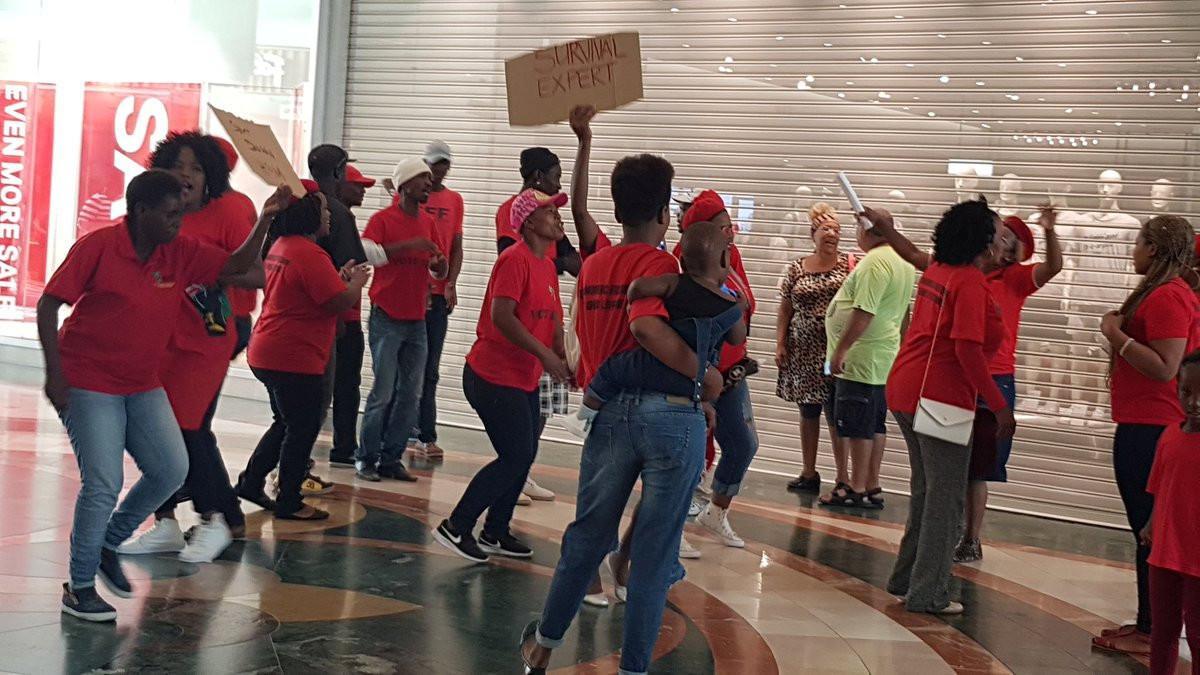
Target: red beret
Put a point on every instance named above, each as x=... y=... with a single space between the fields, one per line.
x=231 y=156
x=704 y=207
x=1024 y=235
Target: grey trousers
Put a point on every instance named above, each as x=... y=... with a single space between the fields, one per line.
x=939 y=487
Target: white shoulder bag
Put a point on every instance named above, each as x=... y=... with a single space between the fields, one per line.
x=943 y=421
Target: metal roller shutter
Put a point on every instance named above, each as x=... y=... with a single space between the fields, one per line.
x=763 y=101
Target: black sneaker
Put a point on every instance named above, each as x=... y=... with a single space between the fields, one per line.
x=505 y=545
x=396 y=471
x=112 y=575
x=338 y=459
x=86 y=604
x=462 y=544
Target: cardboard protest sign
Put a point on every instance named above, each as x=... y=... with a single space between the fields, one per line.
x=259 y=148
x=604 y=71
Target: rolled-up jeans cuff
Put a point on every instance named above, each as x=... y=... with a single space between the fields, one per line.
x=546 y=642
x=725 y=489
x=622 y=671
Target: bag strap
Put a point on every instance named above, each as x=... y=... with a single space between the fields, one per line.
x=933 y=343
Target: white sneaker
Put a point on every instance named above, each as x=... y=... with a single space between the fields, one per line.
x=696 y=507
x=686 y=550
x=210 y=540
x=716 y=520
x=164 y=537
x=537 y=492
x=523 y=500
x=621 y=592
x=580 y=425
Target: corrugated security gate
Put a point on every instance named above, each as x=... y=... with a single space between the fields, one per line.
x=1090 y=104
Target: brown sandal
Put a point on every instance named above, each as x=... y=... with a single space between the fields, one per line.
x=1136 y=643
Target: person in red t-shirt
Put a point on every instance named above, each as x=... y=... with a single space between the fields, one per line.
x=1173 y=533
x=1147 y=337
x=290 y=350
x=541 y=171
x=1012 y=280
x=956 y=328
x=198 y=358
x=242 y=301
x=399 y=240
x=102 y=370
x=445 y=206
x=519 y=337
x=654 y=437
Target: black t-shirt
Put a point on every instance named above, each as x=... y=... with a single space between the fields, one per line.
x=343 y=243
x=693 y=301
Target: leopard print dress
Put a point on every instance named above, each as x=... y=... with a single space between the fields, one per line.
x=802 y=376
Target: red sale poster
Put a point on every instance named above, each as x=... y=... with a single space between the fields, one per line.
x=26 y=156
x=122 y=122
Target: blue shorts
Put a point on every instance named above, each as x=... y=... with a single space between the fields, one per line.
x=998 y=470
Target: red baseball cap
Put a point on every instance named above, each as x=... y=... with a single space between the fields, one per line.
x=531 y=200
x=704 y=207
x=1024 y=235
x=231 y=156
x=353 y=175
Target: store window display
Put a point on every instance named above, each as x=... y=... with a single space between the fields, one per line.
x=91 y=121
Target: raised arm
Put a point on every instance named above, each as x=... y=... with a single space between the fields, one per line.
x=885 y=227
x=249 y=253
x=585 y=225
x=1047 y=270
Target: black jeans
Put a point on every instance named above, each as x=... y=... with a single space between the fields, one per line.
x=245 y=326
x=512 y=419
x=347 y=380
x=288 y=443
x=437 y=324
x=207 y=483
x=1133 y=457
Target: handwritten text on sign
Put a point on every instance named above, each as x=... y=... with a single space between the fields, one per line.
x=257 y=145
x=604 y=71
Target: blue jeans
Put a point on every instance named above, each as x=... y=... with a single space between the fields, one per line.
x=736 y=434
x=102 y=427
x=437 y=324
x=398 y=351
x=661 y=441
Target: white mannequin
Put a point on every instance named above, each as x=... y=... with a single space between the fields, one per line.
x=796 y=219
x=966 y=184
x=1110 y=187
x=1010 y=188
x=1162 y=193
x=780 y=249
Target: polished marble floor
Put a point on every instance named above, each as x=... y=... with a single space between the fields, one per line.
x=369 y=591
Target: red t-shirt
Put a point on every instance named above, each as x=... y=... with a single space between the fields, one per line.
x=731 y=355
x=505 y=229
x=401 y=287
x=124 y=310
x=446 y=208
x=531 y=281
x=295 y=334
x=602 y=242
x=196 y=362
x=1137 y=399
x=968 y=312
x=603 y=313
x=1010 y=287
x=1173 y=482
x=242 y=213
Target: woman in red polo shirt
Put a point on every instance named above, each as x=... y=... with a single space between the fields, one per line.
x=519 y=337
x=290 y=349
x=956 y=328
x=735 y=416
x=199 y=353
x=1147 y=338
x=102 y=369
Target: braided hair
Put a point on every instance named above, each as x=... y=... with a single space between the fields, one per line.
x=1174 y=243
